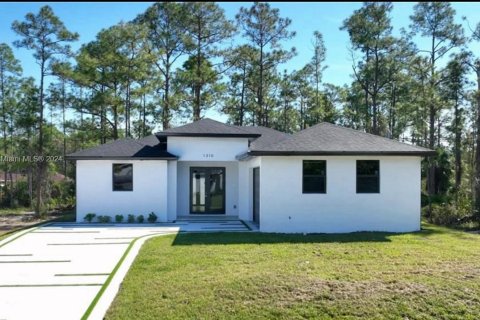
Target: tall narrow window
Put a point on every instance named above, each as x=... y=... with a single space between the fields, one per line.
x=122 y=177
x=314 y=176
x=368 y=176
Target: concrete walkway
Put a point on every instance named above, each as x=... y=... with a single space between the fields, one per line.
x=56 y=271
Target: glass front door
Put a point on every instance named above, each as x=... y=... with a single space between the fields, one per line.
x=207 y=190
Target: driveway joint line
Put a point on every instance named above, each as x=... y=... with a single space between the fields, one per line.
x=36 y=261
x=80 y=274
x=50 y=285
x=85 y=243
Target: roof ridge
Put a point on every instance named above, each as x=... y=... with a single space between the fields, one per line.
x=237 y=129
x=291 y=136
x=229 y=125
x=264 y=127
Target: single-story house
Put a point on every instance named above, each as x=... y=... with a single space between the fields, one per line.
x=326 y=178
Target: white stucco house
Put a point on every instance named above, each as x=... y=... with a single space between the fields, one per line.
x=324 y=179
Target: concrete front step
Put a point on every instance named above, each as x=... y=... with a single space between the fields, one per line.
x=207 y=218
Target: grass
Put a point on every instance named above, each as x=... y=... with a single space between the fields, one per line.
x=432 y=274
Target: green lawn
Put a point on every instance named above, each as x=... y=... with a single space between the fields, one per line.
x=432 y=274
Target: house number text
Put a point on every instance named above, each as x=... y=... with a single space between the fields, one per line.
x=208 y=155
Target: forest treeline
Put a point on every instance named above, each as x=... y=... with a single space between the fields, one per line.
x=176 y=61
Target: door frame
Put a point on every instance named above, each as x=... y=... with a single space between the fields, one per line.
x=254 y=189
x=207 y=200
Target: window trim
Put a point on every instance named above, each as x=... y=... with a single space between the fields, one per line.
x=113 y=177
x=356 y=177
x=303 y=177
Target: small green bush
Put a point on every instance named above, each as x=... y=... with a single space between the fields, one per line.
x=446 y=214
x=131 y=218
x=104 y=219
x=140 y=218
x=152 y=217
x=119 y=218
x=89 y=217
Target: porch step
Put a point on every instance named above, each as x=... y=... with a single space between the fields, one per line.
x=207 y=218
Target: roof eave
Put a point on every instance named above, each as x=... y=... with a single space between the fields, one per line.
x=117 y=158
x=343 y=153
x=215 y=135
x=244 y=156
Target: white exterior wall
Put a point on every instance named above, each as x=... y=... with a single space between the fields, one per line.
x=284 y=208
x=172 y=190
x=245 y=180
x=206 y=148
x=231 y=185
x=206 y=152
x=95 y=195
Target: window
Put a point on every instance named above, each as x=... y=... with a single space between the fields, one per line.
x=368 y=176
x=314 y=176
x=122 y=177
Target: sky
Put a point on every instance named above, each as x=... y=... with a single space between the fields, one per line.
x=88 y=18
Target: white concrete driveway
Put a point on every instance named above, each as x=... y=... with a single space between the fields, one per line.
x=56 y=271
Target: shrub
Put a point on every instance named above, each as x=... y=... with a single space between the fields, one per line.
x=62 y=192
x=131 y=218
x=152 y=217
x=140 y=218
x=89 y=217
x=119 y=218
x=104 y=219
x=453 y=209
x=446 y=214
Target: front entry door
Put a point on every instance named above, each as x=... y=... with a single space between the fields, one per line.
x=207 y=190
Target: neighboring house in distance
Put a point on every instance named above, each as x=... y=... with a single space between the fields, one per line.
x=325 y=178
x=11 y=177
x=14 y=177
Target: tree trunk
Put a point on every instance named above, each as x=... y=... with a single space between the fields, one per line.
x=115 y=116
x=166 y=98
x=197 y=85
x=432 y=114
x=260 y=90
x=40 y=164
x=242 y=97
x=374 y=95
x=458 y=151
x=4 y=125
x=144 y=120
x=127 y=106
x=477 y=150
x=64 y=130
x=103 y=114
x=367 y=106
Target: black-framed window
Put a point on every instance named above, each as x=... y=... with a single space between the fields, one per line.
x=368 y=176
x=314 y=176
x=122 y=177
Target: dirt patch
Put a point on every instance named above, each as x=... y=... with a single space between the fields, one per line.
x=338 y=289
x=13 y=222
x=289 y=293
x=10 y=222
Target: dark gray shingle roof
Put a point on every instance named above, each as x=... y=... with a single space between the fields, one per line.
x=268 y=137
x=329 y=139
x=207 y=128
x=321 y=139
x=145 y=148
